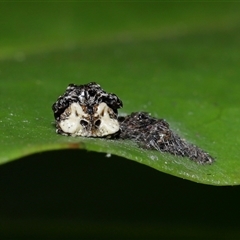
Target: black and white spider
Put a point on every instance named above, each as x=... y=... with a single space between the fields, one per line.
x=88 y=111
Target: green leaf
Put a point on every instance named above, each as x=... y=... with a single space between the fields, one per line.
x=182 y=66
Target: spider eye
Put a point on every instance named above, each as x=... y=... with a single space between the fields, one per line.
x=97 y=123
x=83 y=123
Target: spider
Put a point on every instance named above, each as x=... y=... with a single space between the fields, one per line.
x=88 y=111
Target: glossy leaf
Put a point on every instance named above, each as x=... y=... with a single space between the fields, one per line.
x=177 y=68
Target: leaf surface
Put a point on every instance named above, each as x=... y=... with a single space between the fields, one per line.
x=183 y=68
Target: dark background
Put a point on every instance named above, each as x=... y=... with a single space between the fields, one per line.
x=79 y=194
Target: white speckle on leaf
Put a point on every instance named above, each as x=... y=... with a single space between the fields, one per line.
x=154 y=157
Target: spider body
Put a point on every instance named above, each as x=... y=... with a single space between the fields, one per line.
x=88 y=111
